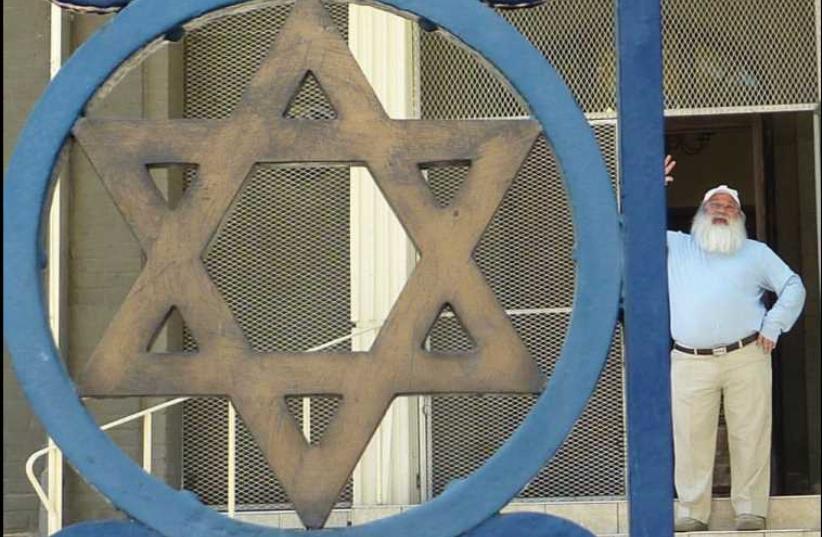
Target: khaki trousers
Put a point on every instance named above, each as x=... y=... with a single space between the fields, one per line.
x=743 y=379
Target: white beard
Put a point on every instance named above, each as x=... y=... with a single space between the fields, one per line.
x=719 y=238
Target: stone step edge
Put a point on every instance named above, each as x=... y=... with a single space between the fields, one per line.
x=796 y=513
x=604 y=516
x=731 y=533
x=622 y=500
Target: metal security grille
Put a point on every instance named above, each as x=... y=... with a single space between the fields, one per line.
x=746 y=53
x=467 y=429
x=558 y=29
x=526 y=255
x=280 y=257
x=740 y=53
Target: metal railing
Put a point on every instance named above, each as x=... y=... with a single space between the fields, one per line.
x=53 y=500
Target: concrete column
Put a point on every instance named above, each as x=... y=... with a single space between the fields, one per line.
x=105 y=260
x=382 y=257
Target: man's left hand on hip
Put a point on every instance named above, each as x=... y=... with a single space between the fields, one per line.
x=766 y=344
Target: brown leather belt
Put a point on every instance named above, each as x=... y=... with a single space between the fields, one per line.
x=718 y=351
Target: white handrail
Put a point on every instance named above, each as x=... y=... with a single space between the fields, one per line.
x=35 y=483
x=146 y=414
x=231 y=484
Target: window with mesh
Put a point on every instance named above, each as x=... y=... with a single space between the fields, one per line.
x=526 y=254
x=739 y=54
x=280 y=257
x=746 y=53
x=467 y=429
x=717 y=55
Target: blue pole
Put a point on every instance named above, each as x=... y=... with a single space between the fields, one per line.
x=641 y=134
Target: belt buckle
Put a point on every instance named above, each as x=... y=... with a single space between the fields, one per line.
x=719 y=351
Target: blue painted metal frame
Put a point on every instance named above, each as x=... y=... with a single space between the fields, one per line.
x=641 y=134
x=462 y=506
x=107 y=528
x=528 y=525
x=109 y=5
x=507 y=525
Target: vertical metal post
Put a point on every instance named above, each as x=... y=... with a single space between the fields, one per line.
x=307 y=419
x=54 y=489
x=231 y=502
x=817 y=167
x=148 y=427
x=56 y=248
x=382 y=256
x=817 y=138
x=641 y=133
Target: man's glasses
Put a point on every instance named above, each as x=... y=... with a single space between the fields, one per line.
x=718 y=206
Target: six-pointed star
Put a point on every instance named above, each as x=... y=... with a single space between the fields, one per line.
x=259 y=132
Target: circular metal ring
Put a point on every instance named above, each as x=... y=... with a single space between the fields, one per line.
x=465 y=504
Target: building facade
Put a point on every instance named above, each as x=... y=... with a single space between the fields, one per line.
x=313 y=258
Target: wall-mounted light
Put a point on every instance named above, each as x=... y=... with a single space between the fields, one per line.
x=689 y=143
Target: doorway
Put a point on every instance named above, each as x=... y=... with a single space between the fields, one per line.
x=769 y=159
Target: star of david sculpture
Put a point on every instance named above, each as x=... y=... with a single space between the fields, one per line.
x=395 y=152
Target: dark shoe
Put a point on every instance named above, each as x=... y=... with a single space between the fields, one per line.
x=749 y=523
x=689 y=524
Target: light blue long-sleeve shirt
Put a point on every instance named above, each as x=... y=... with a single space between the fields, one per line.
x=716 y=299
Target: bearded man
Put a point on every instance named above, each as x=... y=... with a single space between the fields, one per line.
x=723 y=337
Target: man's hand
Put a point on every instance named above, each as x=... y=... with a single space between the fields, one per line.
x=766 y=344
x=670 y=164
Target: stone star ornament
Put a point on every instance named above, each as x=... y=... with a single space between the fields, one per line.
x=224 y=152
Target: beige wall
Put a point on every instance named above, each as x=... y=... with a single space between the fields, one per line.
x=25 y=74
x=105 y=260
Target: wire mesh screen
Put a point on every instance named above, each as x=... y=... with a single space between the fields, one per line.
x=467 y=429
x=280 y=257
x=740 y=53
x=455 y=85
x=223 y=54
x=716 y=54
x=527 y=256
x=205 y=449
x=525 y=253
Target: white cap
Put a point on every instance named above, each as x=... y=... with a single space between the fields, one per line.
x=722 y=189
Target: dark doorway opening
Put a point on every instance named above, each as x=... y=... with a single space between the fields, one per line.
x=769 y=159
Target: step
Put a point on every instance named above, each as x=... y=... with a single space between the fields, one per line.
x=765 y=533
x=789 y=516
x=605 y=517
